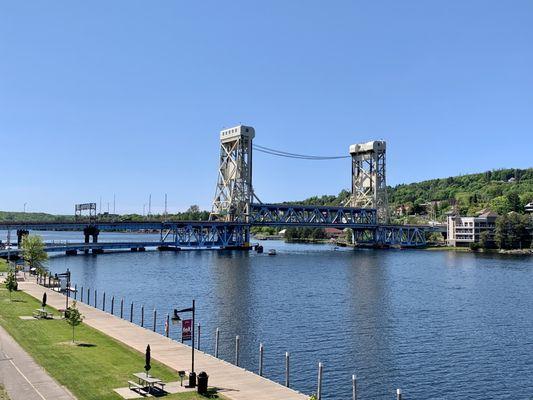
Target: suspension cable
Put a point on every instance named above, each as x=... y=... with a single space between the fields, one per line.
x=280 y=153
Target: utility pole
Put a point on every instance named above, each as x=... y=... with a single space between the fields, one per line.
x=150 y=205
x=144 y=206
x=114 y=209
x=100 y=204
x=25 y=208
x=165 y=205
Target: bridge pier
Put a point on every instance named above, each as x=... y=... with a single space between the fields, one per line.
x=89 y=231
x=168 y=248
x=71 y=252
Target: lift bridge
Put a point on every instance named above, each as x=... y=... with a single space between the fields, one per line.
x=236 y=208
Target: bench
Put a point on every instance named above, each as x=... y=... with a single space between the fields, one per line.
x=135 y=386
x=161 y=386
x=41 y=315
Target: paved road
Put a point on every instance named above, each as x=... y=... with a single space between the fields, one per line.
x=234 y=382
x=23 y=378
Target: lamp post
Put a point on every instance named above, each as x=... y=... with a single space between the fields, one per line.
x=68 y=288
x=176 y=317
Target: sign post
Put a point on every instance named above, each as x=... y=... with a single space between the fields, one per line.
x=187 y=333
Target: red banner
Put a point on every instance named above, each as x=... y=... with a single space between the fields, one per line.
x=186 y=329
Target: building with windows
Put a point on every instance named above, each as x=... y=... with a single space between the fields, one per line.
x=462 y=231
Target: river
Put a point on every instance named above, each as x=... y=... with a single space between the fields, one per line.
x=436 y=324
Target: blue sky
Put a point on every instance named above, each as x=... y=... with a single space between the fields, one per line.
x=127 y=97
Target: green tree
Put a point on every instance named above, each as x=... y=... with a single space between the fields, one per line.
x=512 y=231
x=11 y=282
x=485 y=240
x=73 y=317
x=500 y=205
x=348 y=235
x=514 y=202
x=33 y=253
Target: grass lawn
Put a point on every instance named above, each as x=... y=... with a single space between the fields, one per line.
x=449 y=248
x=3 y=394
x=3 y=268
x=91 y=371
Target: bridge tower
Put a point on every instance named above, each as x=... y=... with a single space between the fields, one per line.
x=369 y=185
x=234 y=191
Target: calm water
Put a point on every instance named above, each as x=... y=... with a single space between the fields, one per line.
x=436 y=324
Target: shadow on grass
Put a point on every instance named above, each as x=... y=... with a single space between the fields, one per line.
x=85 y=345
x=76 y=344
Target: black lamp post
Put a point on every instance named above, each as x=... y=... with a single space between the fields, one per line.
x=68 y=287
x=176 y=317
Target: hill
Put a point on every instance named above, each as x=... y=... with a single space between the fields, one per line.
x=6 y=216
x=502 y=190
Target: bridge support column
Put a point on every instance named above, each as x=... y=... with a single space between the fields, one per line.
x=89 y=231
x=87 y=241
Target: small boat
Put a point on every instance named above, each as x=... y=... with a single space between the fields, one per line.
x=272 y=252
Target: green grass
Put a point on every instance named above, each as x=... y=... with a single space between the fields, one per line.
x=3 y=394
x=449 y=248
x=89 y=372
x=3 y=265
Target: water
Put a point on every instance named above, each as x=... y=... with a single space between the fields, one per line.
x=436 y=324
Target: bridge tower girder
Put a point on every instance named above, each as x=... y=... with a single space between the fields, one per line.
x=369 y=184
x=234 y=191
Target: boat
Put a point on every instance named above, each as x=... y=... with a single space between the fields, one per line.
x=272 y=252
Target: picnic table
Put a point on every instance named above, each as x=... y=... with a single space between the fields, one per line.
x=147 y=381
x=42 y=313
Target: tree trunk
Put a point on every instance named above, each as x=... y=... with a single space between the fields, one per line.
x=72 y=333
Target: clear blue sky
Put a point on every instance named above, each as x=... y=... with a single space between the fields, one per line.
x=128 y=97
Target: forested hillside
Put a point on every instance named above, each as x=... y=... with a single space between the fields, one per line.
x=501 y=190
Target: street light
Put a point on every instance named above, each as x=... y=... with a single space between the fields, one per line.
x=176 y=317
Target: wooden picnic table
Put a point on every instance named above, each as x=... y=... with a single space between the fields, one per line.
x=148 y=381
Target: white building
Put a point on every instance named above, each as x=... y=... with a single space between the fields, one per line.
x=462 y=231
x=529 y=207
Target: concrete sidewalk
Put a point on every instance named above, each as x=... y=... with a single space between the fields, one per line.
x=233 y=382
x=23 y=378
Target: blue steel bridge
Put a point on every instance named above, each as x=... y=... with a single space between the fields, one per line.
x=236 y=208
x=225 y=234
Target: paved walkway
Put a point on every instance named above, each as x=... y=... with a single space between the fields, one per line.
x=234 y=382
x=23 y=378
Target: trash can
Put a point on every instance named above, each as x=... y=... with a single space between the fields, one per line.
x=202 y=383
x=192 y=379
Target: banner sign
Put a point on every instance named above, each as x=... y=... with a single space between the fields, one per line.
x=186 y=329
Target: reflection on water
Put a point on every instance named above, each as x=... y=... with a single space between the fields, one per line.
x=436 y=324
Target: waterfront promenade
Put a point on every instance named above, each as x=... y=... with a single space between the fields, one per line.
x=233 y=382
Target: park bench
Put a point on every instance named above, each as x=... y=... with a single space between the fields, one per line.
x=161 y=385
x=42 y=314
